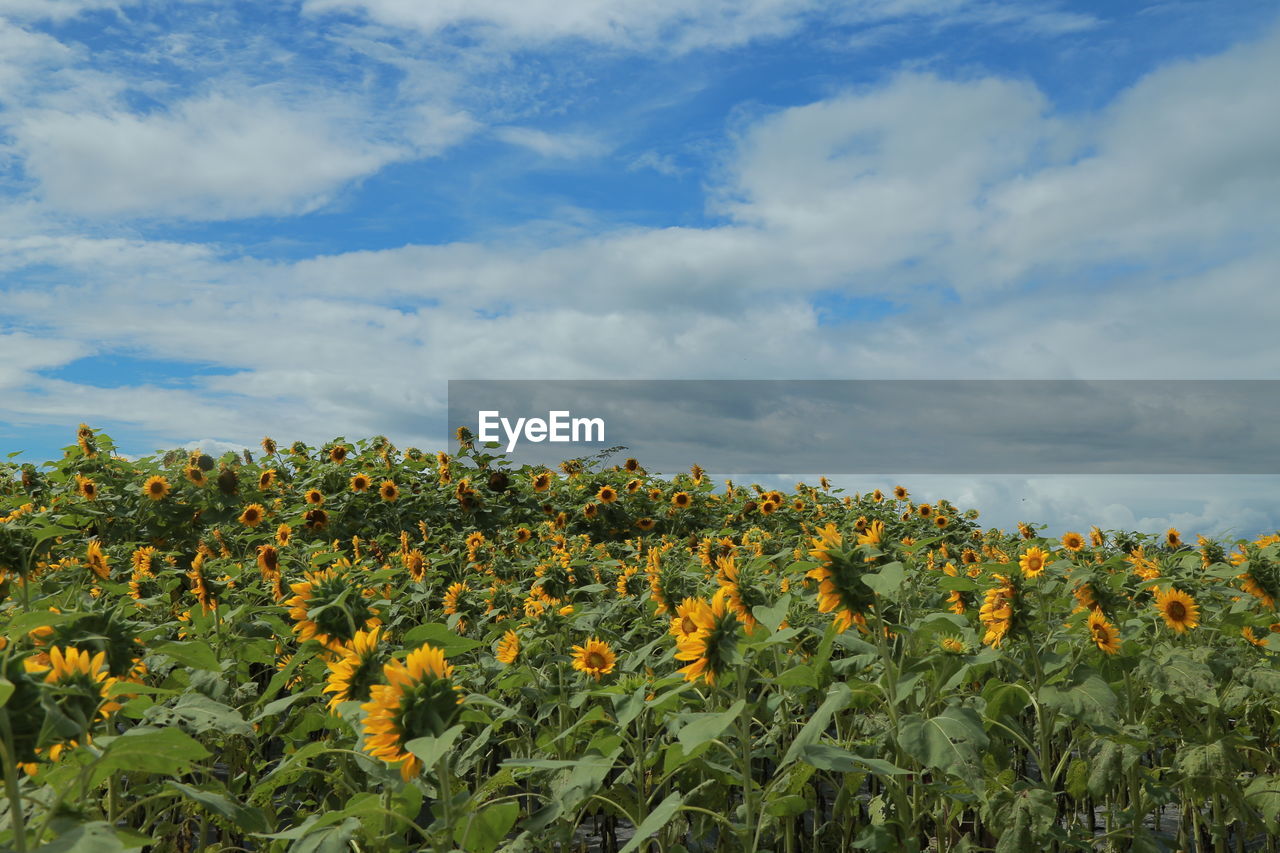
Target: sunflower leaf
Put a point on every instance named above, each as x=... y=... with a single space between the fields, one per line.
x=429 y=749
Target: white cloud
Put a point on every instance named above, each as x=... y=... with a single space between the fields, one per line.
x=208 y=158
x=565 y=146
x=56 y=10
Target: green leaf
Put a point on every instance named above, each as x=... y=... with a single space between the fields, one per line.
x=195 y=655
x=95 y=837
x=825 y=756
x=20 y=626
x=1090 y=699
x=772 y=617
x=800 y=675
x=838 y=698
x=949 y=741
x=704 y=727
x=241 y=816
x=887 y=583
x=657 y=819
x=788 y=805
x=149 y=750
x=485 y=831
x=333 y=839
x=430 y=749
x=6 y=690
x=442 y=637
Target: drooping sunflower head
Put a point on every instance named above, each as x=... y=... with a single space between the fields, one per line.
x=97 y=561
x=1104 y=634
x=269 y=446
x=508 y=648
x=355 y=669
x=594 y=658
x=420 y=699
x=330 y=607
x=713 y=646
x=1178 y=609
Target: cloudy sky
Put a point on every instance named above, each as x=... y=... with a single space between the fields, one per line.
x=229 y=219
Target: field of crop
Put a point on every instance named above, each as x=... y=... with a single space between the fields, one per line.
x=358 y=648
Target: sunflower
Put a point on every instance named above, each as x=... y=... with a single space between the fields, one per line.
x=1104 y=634
x=418 y=700
x=283 y=532
x=1026 y=531
x=591 y=510
x=268 y=561
x=710 y=647
x=607 y=494
x=338 y=453
x=97 y=560
x=873 y=535
x=83 y=679
x=1072 y=541
x=953 y=645
x=266 y=479
x=453 y=597
x=1033 y=562
x=269 y=446
x=355 y=670
x=646 y=524
x=156 y=488
x=542 y=481
x=633 y=486
x=900 y=493
x=330 y=607
x=683 y=624
x=768 y=507
x=84 y=437
x=924 y=510
x=86 y=487
x=839 y=577
x=941 y=521
x=416 y=562
x=315 y=497
x=361 y=483
x=508 y=648
x=594 y=658
x=1173 y=538
x=195 y=475
x=253 y=515
x=1179 y=609
x=996 y=613
x=523 y=535
x=316 y=519
x=388 y=491
x=1096 y=538
x=200 y=586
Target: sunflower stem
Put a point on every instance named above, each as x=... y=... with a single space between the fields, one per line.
x=446 y=799
x=749 y=833
x=16 y=813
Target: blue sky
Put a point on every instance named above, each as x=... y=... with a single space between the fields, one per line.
x=223 y=220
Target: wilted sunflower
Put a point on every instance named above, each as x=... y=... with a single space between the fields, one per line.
x=1033 y=562
x=253 y=515
x=594 y=658
x=355 y=670
x=269 y=446
x=86 y=487
x=710 y=648
x=361 y=483
x=388 y=491
x=680 y=500
x=1104 y=634
x=156 y=488
x=1179 y=609
x=97 y=561
x=418 y=700
x=329 y=606
x=508 y=648
x=316 y=519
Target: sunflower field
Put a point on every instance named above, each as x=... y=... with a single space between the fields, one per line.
x=356 y=648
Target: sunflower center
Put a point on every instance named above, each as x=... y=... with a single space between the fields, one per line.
x=595 y=660
x=1177 y=611
x=687 y=625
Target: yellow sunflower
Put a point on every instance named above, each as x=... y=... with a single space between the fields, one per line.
x=1173 y=538
x=1072 y=541
x=97 y=560
x=283 y=532
x=542 y=481
x=1179 y=609
x=418 y=700
x=388 y=491
x=1104 y=634
x=361 y=483
x=338 y=453
x=195 y=475
x=86 y=487
x=708 y=648
x=508 y=648
x=1033 y=562
x=680 y=500
x=329 y=606
x=266 y=479
x=156 y=488
x=253 y=515
x=607 y=495
x=355 y=669
x=594 y=658
x=900 y=493
x=646 y=524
